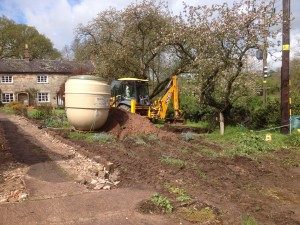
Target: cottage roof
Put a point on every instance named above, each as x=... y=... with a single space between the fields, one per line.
x=45 y=66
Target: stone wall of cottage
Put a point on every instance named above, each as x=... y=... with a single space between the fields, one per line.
x=24 y=82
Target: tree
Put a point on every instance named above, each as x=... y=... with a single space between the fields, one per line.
x=13 y=38
x=129 y=42
x=217 y=41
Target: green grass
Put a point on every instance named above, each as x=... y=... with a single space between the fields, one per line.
x=199 y=124
x=243 y=142
x=92 y=137
x=167 y=160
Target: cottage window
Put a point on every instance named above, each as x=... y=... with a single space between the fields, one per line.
x=42 y=79
x=7 y=79
x=43 y=97
x=7 y=97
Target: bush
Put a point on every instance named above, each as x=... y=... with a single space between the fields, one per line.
x=17 y=108
x=42 y=112
x=252 y=113
x=46 y=109
x=267 y=115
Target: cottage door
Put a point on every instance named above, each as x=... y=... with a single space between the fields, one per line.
x=23 y=98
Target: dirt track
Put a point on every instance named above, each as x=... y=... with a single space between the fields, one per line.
x=53 y=196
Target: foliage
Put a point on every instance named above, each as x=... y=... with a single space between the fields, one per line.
x=17 y=108
x=243 y=142
x=44 y=111
x=190 y=105
x=57 y=120
x=293 y=139
x=172 y=161
x=266 y=115
x=14 y=37
x=163 y=202
x=217 y=40
x=209 y=46
x=249 y=144
x=134 y=36
x=253 y=113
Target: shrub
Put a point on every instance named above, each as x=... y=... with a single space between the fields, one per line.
x=36 y=114
x=18 y=108
x=42 y=112
x=46 y=109
x=266 y=115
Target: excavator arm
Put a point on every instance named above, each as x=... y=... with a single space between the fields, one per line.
x=158 y=110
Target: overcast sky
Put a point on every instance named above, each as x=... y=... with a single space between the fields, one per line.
x=57 y=19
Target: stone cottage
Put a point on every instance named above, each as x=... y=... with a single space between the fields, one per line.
x=34 y=82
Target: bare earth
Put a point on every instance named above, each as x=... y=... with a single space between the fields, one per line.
x=39 y=168
x=37 y=183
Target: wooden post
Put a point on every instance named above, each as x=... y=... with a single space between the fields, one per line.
x=285 y=69
x=222 y=126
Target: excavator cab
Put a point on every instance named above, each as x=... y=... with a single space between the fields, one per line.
x=124 y=90
x=132 y=94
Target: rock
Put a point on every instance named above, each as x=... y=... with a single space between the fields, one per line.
x=109 y=167
x=114 y=176
x=101 y=174
x=3 y=199
x=106 y=175
x=97 y=159
x=81 y=180
x=94 y=182
x=116 y=183
x=98 y=186
x=93 y=169
x=22 y=196
x=106 y=187
x=101 y=181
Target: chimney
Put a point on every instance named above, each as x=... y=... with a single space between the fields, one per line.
x=26 y=53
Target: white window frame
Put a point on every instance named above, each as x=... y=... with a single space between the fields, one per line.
x=41 y=97
x=3 y=99
x=7 y=79
x=42 y=79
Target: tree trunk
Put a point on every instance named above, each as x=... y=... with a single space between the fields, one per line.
x=222 y=126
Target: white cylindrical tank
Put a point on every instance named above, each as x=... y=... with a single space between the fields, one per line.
x=87 y=102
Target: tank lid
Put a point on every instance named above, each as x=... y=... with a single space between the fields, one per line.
x=87 y=77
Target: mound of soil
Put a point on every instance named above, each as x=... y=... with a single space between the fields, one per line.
x=122 y=124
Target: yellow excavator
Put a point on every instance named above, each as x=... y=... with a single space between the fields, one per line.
x=132 y=94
